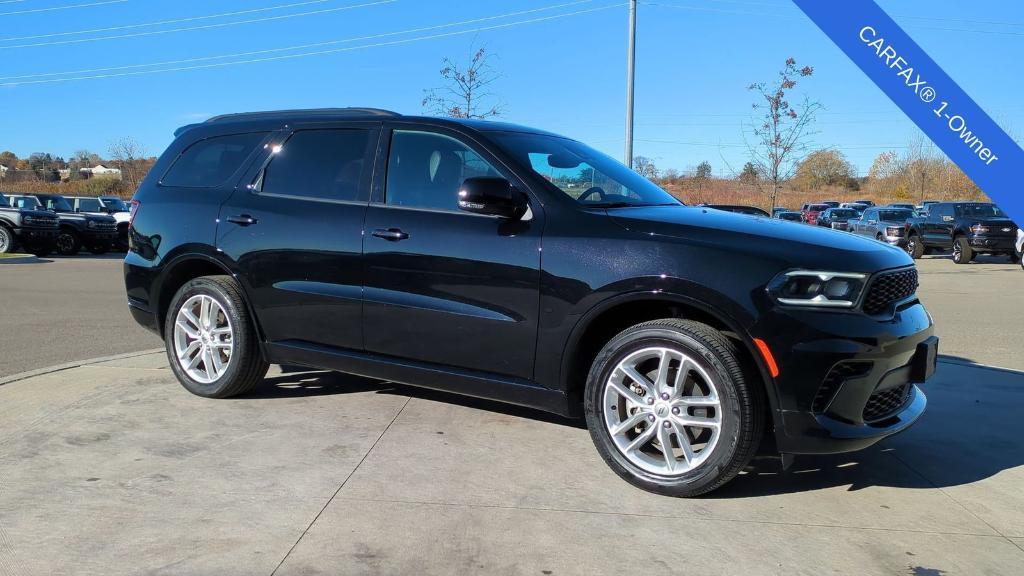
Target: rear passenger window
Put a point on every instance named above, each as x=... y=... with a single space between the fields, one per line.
x=208 y=163
x=321 y=164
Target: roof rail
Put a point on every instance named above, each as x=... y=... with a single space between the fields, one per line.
x=345 y=112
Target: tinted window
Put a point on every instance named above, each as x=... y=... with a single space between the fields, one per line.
x=89 y=205
x=3 y=201
x=981 y=211
x=426 y=170
x=324 y=164
x=870 y=214
x=210 y=162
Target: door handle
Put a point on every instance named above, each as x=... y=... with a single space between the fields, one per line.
x=390 y=234
x=242 y=220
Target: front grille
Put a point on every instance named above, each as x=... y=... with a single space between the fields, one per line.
x=881 y=405
x=834 y=379
x=888 y=288
x=106 y=226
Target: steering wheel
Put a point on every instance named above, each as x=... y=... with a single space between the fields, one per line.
x=592 y=190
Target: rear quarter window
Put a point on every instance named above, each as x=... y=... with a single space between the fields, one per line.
x=210 y=162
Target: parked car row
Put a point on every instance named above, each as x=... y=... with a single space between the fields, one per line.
x=965 y=229
x=42 y=224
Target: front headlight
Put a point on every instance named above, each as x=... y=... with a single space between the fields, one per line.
x=817 y=288
x=893 y=231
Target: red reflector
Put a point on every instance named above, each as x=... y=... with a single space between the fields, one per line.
x=135 y=204
x=773 y=368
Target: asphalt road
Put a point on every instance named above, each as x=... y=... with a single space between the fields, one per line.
x=68 y=309
x=59 y=310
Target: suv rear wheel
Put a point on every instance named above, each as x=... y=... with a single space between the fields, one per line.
x=671 y=409
x=211 y=340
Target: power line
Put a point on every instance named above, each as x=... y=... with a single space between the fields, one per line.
x=315 y=53
x=299 y=46
x=161 y=22
x=203 y=27
x=54 y=8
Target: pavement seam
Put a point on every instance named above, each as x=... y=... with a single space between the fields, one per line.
x=664 y=517
x=343 y=482
x=72 y=365
x=954 y=500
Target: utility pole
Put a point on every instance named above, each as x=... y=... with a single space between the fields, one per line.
x=630 y=62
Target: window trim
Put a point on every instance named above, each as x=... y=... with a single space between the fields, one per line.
x=238 y=170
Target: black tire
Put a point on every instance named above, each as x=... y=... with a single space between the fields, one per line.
x=962 y=251
x=68 y=242
x=1014 y=257
x=247 y=366
x=914 y=247
x=6 y=240
x=741 y=397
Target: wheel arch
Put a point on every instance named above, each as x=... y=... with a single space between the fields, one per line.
x=184 y=268
x=606 y=319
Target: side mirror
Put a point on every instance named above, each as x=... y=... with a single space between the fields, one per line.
x=491 y=196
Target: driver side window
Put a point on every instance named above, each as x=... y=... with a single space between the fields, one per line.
x=426 y=170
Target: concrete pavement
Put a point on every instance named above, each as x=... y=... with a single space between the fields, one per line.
x=113 y=468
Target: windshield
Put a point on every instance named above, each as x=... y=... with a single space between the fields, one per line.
x=844 y=213
x=115 y=204
x=982 y=211
x=895 y=215
x=582 y=173
x=790 y=216
x=57 y=203
x=26 y=202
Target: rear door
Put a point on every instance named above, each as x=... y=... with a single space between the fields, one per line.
x=442 y=285
x=294 y=231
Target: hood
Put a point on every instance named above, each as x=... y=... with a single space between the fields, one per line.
x=792 y=244
x=117 y=216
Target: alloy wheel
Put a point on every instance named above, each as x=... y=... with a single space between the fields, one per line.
x=958 y=253
x=5 y=240
x=203 y=339
x=662 y=411
x=911 y=246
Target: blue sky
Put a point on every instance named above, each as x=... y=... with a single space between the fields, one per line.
x=565 y=74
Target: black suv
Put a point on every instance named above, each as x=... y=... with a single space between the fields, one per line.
x=508 y=263
x=968 y=228
x=33 y=230
x=95 y=232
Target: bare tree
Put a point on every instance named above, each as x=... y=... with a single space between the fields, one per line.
x=645 y=167
x=127 y=155
x=781 y=130
x=466 y=93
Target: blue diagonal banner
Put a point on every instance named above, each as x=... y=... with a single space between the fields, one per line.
x=925 y=93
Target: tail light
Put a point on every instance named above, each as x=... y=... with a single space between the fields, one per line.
x=133 y=211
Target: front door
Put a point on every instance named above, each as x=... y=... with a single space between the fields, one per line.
x=294 y=231
x=442 y=285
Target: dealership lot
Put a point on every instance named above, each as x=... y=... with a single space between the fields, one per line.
x=112 y=468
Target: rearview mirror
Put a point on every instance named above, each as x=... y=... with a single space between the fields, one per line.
x=491 y=196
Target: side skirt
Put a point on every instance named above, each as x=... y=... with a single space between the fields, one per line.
x=421 y=374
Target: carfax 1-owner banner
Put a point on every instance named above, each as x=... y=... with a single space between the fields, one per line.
x=916 y=83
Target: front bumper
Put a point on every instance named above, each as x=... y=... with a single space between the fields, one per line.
x=995 y=244
x=898 y=241
x=847 y=380
x=99 y=237
x=37 y=237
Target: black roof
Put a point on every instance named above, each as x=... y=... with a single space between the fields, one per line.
x=357 y=113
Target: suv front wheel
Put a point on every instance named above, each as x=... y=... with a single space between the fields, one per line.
x=211 y=339
x=671 y=409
